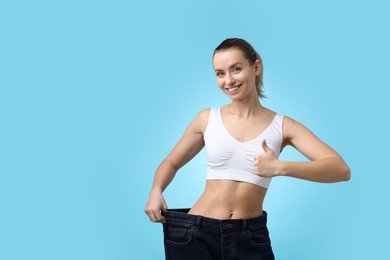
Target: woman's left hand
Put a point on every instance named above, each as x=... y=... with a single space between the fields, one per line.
x=266 y=165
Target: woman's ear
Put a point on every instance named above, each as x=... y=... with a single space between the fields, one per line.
x=258 y=67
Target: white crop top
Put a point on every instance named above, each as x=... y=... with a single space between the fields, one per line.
x=230 y=159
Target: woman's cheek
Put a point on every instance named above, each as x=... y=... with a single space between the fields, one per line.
x=220 y=83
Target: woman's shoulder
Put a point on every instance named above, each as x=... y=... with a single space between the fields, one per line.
x=287 y=123
x=272 y=113
x=204 y=113
x=291 y=127
x=201 y=119
x=269 y=114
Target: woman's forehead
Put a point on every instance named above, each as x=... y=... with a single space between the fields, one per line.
x=226 y=58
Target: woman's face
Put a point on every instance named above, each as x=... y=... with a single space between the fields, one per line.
x=235 y=75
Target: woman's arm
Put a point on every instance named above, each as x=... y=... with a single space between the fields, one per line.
x=188 y=146
x=325 y=164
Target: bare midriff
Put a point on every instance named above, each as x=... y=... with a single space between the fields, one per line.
x=226 y=199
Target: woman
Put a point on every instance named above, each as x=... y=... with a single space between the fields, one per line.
x=243 y=141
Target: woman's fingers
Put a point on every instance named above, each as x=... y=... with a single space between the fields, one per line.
x=155 y=216
x=160 y=218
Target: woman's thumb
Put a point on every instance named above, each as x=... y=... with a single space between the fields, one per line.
x=265 y=146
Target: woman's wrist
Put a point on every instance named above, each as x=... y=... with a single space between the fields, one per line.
x=281 y=168
x=157 y=190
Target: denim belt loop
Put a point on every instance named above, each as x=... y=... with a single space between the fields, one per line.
x=244 y=226
x=197 y=224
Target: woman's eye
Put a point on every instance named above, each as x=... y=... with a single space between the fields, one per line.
x=236 y=69
x=220 y=74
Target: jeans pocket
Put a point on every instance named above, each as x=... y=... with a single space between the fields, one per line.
x=260 y=236
x=179 y=235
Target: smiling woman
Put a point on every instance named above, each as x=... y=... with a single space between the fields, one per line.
x=243 y=141
x=249 y=57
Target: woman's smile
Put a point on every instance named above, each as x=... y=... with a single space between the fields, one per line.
x=233 y=89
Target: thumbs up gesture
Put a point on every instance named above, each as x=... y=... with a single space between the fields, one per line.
x=266 y=164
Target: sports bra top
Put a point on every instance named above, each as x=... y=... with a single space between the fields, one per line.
x=230 y=159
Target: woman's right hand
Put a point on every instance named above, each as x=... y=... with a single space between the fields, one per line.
x=156 y=203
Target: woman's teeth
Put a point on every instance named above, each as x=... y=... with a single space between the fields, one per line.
x=234 y=88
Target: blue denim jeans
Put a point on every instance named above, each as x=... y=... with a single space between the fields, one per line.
x=195 y=237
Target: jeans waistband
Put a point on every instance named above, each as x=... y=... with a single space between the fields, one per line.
x=181 y=217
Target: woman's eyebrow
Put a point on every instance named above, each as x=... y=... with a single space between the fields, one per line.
x=235 y=64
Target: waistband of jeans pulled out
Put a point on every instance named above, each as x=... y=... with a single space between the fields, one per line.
x=182 y=218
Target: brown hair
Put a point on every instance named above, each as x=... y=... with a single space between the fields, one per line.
x=249 y=53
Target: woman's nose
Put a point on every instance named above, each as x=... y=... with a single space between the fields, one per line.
x=229 y=79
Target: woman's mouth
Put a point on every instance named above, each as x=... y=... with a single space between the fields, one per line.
x=233 y=89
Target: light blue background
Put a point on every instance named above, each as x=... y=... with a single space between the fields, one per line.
x=94 y=94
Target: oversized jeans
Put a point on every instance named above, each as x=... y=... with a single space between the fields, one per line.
x=195 y=237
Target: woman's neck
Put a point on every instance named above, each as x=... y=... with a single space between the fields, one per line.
x=245 y=109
